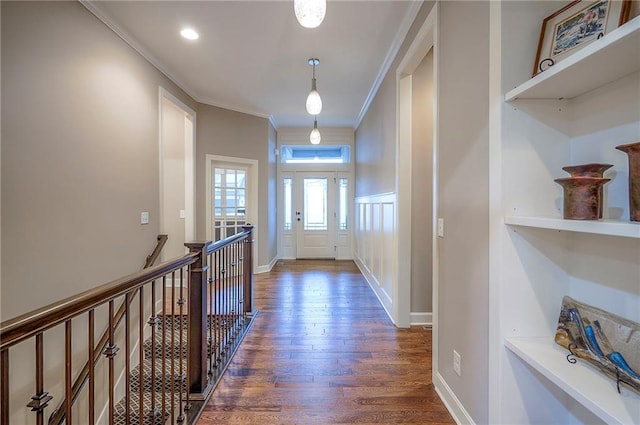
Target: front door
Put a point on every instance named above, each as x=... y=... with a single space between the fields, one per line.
x=315 y=214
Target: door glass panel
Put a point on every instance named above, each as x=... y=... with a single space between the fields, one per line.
x=315 y=204
x=288 y=191
x=229 y=194
x=231 y=178
x=241 y=178
x=343 y=206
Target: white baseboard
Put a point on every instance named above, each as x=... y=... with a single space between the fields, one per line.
x=421 y=319
x=379 y=293
x=267 y=268
x=451 y=402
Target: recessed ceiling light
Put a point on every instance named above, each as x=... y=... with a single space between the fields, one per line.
x=189 y=34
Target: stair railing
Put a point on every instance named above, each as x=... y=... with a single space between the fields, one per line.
x=216 y=278
x=59 y=414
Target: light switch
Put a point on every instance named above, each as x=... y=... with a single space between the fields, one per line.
x=144 y=217
x=183 y=214
x=441 y=227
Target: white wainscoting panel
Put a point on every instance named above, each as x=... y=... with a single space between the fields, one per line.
x=375 y=245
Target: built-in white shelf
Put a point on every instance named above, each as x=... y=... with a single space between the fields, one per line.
x=605 y=60
x=588 y=386
x=598 y=227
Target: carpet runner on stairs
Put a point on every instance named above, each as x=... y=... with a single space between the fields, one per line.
x=164 y=368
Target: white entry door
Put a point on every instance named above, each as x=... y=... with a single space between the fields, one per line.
x=315 y=214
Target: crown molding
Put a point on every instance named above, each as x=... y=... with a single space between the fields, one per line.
x=233 y=108
x=403 y=30
x=131 y=41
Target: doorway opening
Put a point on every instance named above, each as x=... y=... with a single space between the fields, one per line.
x=177 y=174
x=315 y=194
x=416 y=183
x=316 y=211
x=232 y=197
x=229 y=200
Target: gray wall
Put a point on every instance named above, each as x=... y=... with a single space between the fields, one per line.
x=375 y=138
x=375 y=144
x=463 y=158
x=173 y=170
x=80 y=153
x=422 y=186
x=463 y=144
x=229 y=133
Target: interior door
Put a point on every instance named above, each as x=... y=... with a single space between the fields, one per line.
x=315 y=213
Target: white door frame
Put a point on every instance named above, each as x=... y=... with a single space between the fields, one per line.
x=425 y=40
x=190 y=166
x=252 y=195
x=332 y=203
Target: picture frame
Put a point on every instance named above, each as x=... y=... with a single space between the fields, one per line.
x=575 y=26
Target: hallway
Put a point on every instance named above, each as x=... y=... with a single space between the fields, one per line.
x=323 y=351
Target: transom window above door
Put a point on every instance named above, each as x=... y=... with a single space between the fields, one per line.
x=316 y=154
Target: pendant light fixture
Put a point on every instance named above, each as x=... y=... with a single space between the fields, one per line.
x=315 y=137
x=310 y=13
x=314 y=102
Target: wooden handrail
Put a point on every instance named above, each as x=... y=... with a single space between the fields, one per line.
x=151 y=259
x=248 y=229
x=27 y=325
x=37 y=322
x=59 y=414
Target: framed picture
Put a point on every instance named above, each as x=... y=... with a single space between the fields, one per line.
x=575 y=26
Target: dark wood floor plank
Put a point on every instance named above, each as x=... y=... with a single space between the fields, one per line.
x=323 y=351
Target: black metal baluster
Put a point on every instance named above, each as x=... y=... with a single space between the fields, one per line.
x=153 y=322
x=173 y=341
x=92 y=369
x=181 y=302
x=41 y=398
x=4 y=387
x=164 y=346
x=127 y=358
x=141 y=356
x=110 y=352
x=67 y=372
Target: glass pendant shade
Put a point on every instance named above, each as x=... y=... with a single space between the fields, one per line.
x=310 y=13
x=314 y=102
x=315 y=137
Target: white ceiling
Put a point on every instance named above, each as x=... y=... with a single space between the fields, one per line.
x=252 y=55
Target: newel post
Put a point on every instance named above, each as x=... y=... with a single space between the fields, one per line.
x=197 y=321
x=247 y=260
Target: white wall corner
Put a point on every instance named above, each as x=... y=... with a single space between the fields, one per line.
x=451 y=402
x=268 y=267
x=421 y=319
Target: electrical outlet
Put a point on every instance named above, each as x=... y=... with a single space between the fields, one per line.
x=457 y=363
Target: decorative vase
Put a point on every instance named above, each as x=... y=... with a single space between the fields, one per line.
x=633 y=151
x=590 y=170
x=581 y=197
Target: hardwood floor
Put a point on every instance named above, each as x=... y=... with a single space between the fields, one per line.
x=323 y=351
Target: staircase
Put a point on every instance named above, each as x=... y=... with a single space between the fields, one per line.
x=163 y=379
x=181 y=356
